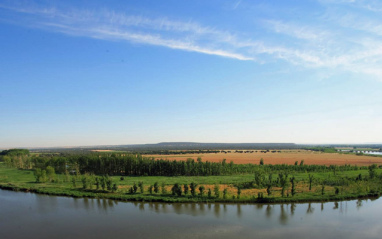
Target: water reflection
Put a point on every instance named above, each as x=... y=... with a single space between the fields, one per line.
x=292 y=208
x=238 y=210
x=283 y=215
x=219 y=210
x=67 y=217
x=359 y=203
x=282 y=212
x=310 y=209
x=268 y=211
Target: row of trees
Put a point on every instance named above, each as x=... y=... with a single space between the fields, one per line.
x=136 y=165
x=284 y=181
x=192 y=189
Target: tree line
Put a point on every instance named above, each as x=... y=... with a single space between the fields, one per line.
x=137 y=165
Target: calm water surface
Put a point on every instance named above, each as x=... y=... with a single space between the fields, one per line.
x=27 y=215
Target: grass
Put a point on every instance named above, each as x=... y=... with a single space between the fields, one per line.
x=24 y=180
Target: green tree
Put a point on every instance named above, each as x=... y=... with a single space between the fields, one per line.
x=193 y=188
x=185 y=188
x=135 y=188
x=84 y=181
x=238 y=192
x=97 y=182
x=74 y=182
x=176 y=190
x=261 y=161
x=209 y=193
x=103 y=183
x=293 y=190
x=201 y=190
x=311 y=177
x=40 y=175
x=67 y=175
x=109 y=182
x=151 y=187
x=260 y=195
x=216 y=191
x=372 y=169
x=225 y=191
x=259 y=178
x=269 y=184
x=164 y=191
x=141 y=187
x=283 y=179
x=114 y=188
x=269 y=189
x=156 y=187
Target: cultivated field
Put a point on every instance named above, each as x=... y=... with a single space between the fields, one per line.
x=283 y=157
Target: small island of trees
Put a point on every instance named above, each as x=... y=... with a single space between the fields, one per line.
x=125 y=176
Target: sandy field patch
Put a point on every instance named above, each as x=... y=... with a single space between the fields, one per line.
x=285 y=157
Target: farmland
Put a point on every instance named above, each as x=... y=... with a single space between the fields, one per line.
x=279 y=157
x=236 y=176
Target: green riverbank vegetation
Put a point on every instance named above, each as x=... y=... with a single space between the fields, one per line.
x=131 y=177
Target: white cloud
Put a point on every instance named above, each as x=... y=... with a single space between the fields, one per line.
x=187 y=36
x=330 y=41
x=236 y=4
x=296 y=31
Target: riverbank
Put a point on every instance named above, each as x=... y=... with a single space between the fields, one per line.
x=184 y=199
x=24 y=180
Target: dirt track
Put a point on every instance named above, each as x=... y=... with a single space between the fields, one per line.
x=285 y=157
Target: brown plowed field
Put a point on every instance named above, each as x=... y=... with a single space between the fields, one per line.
x=285 y=157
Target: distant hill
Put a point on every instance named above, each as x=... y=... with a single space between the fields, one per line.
x=195 y=146
x=174 y=146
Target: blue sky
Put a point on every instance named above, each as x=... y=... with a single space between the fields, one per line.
x=125 y=72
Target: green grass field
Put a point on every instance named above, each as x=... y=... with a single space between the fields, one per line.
x=24 y=180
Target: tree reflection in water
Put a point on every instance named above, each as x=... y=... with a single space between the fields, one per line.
x=310 y=209
x=292 y=208
x=239 y=210
x=283 y=215
x=268 y=211
x=359 y=203
x=198 y=209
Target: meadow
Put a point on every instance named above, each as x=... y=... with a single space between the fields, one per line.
x=136 y=178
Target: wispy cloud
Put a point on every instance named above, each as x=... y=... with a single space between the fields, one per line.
x=370 y=5
x=236 y=4
x=329 y=41
x=187 y=36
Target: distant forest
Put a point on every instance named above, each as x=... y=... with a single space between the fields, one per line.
x=124 y=164
x=191 y=147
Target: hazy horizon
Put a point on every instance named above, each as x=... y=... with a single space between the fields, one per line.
x=117 y=145
x=77 y=73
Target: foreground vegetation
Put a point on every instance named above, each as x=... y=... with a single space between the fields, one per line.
x=133 y=177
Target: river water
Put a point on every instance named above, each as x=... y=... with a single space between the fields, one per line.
x=28 y=215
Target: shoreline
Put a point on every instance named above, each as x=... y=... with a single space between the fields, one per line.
x=187 y=199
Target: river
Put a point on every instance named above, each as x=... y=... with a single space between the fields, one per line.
x=28 y=215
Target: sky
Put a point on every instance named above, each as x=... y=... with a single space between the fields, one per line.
x=89 y=72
